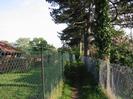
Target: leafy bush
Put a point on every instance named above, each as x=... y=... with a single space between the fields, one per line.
x=122 y=54
x=75 y=71
x=77 y=76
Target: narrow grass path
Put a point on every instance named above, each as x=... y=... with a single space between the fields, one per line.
x=82 y=86
x=86 y=89
x=75 y=93
x=89 y=89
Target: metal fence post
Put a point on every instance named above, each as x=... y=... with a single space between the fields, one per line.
x=62 y=63
x=42 y=67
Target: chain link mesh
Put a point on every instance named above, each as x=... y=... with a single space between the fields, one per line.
x=121 y=80
x=21 y=77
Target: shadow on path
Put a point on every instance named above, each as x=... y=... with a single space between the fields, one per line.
x=83 y=85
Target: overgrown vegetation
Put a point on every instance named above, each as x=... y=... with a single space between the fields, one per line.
x=87 y=19
x=102 y=30
x=67 y=92
x=76 y=76
x=121 y=49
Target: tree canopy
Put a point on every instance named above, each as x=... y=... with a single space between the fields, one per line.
x=34 y=45
x=91 y=18
x=23 y=43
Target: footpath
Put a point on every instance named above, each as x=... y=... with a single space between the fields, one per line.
x=79 y=84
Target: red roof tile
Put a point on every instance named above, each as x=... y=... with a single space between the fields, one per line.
x=7 y=48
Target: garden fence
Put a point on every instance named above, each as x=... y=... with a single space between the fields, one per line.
x=120 y=78
x=38 y=75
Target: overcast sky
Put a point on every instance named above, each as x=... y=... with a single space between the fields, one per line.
x=27 y=18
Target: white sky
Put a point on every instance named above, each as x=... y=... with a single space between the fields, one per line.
x=27 y=18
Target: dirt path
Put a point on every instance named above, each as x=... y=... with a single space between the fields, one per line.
x=75 y=88
x=75 y=93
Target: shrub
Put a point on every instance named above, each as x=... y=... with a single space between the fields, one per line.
x=75 y=71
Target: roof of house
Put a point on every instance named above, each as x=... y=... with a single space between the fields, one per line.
x=7 y=48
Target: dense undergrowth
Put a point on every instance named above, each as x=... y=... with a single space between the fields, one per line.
x=76 y=75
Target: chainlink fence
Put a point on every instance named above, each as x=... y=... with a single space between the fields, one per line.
x=38 y=75
x=120 y=78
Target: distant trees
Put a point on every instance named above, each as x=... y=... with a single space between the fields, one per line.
x=38 y=43
x=23 y=44
x=27 y=45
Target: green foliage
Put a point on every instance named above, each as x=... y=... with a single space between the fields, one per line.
x=121 y=49
x=76 y=14
x=67 y=92
x=23 y=44
x=117 y=33
x=71 y=35
x=121 y=54
x=102 y=31
x=76 y=75
x=76 y=52
x=74 y=70
x=73 y=13
x=33 y=46
x=90 y=90
x=124 y=13
x=38 y=43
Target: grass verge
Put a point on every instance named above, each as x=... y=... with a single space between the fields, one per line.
x=66 y=92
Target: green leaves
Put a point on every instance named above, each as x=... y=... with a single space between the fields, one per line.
x=102 y=29
x=71 y=12
x=26 y=45
x=38 y=43
x=121 y=52
x=23 y=44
